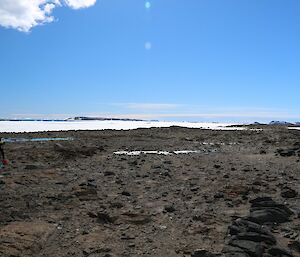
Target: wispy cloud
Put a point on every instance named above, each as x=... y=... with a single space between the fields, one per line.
x=23 y=15
x=216 y=116
x=77 y=4
x=150 y=106
x=40 y=116
x=177 y=112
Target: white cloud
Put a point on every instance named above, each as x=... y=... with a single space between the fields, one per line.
x=77 y=4
x=148 y=106
x=151 y=106
x=26 y=14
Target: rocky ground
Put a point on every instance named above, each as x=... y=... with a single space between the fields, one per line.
x=236 y=197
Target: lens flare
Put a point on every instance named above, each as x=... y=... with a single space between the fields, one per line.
x=148 y=45
x=148 y=5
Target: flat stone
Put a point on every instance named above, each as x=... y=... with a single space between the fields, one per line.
x=277 y=251
x=254 y=249
x=256 y=237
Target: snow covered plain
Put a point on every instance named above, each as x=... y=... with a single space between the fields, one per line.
x=38 y=126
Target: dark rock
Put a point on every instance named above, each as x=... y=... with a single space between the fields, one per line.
x=109 y=173
x=277 y=251
x=195 y=189
x=126 y=193
x=136 y=218
x=268 y=216
x=286 y=152
x=244 y=226
x=117 y=205
x=86 y=194
x=249 y=238
x=231 y=251
x=91 y=184
x=236 y=254
x=295 y=245
x=31 y=167
x=83 y=184
x=92 y=214
x=134 y=163
x=199 y=218
x=288 y=193
x=256 y=237
x=169 y=208
x=91 y=252
x=203 y=253
x=296 y=145
x=257 y=183
x=254 y=249
x=103 y=218
x=290 y=234
x=265 y=210
x=127 y=237
x=219 y=195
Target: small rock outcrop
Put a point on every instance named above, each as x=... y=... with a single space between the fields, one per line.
x=250 y=237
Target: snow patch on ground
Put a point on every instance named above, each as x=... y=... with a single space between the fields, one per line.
x=133 y=153
x=297 y=128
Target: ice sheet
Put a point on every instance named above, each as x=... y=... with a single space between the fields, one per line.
x=37 y=126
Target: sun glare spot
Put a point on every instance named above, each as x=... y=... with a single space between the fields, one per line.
x=148 y=5
x=148 y=45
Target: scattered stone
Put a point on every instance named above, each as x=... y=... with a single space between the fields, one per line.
x=117 y=205
x=288 y=192
x=290 y=234
x=104 y=218
x=31 y=167
x=109 y=173
x=91 y=184
x=169 y=208
x=86 y=194
x=136 y=218
x=195 y=189
x=286 y=152
x=295 y=245
x=127 y=237
x=219 y=195
x=126 y=193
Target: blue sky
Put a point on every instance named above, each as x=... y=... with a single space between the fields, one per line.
x=221 y=60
